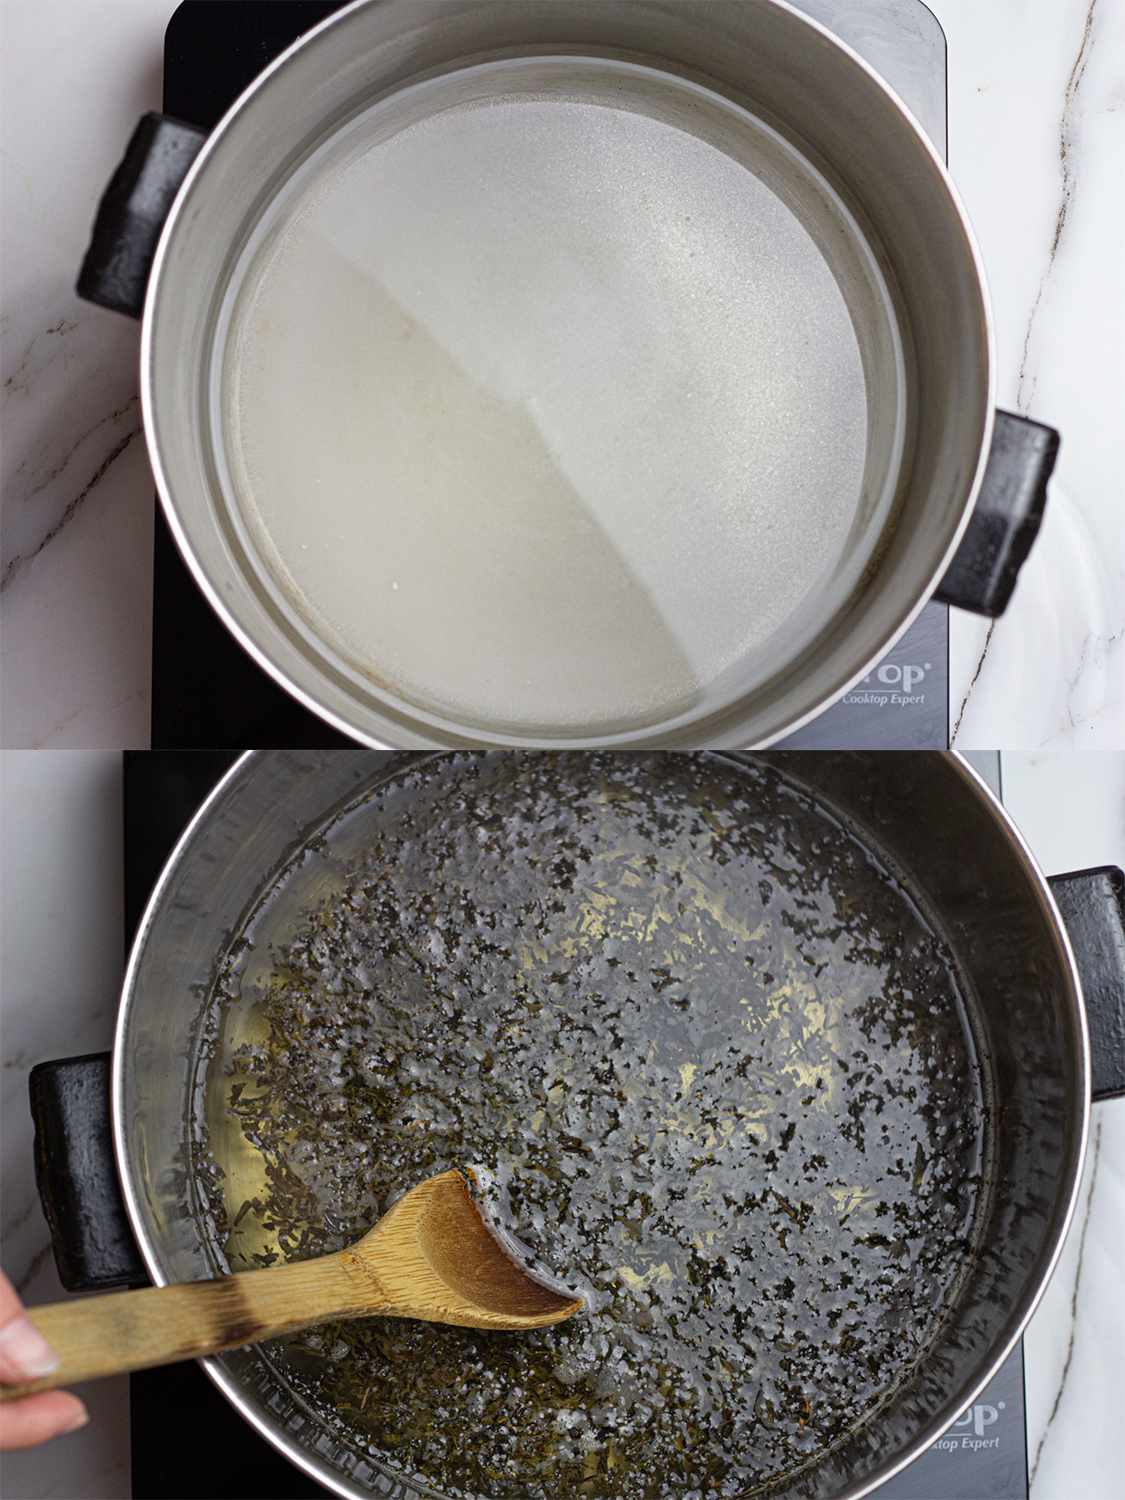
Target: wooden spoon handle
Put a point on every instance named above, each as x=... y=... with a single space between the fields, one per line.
x=121 y=1331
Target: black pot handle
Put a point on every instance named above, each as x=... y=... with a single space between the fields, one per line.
x=1006 y=517
x=76 y=1175
x=132 y=212
x=1092 y=903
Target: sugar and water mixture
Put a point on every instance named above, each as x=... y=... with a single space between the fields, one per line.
x=547 y=412
x=717 y=1061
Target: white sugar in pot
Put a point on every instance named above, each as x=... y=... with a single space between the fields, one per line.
x=584 y=372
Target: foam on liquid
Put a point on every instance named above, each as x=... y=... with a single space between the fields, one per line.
x=544 y=413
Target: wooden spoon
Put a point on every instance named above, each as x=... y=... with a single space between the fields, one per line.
x=431 y=1257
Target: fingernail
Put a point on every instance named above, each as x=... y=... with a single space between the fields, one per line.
x=80 y=1420
x=26 y=1351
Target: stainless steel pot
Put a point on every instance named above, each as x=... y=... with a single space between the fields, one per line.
x=967 y=495
x=1029 y=949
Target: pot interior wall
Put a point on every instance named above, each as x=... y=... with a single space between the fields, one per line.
x=922 y=812
x=784 y=71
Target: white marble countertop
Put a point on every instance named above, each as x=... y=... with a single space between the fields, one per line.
x=62 y=960
x=1037 y=146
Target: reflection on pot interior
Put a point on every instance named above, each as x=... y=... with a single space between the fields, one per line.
x=718 y=1059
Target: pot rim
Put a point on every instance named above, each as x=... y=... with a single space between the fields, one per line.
x=297 y=1455
x=337 y=721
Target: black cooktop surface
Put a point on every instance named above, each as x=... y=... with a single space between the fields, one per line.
x=206 y=691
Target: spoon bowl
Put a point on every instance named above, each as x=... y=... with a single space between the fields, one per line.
x=437 y=1259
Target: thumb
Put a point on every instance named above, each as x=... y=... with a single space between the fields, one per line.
x=24 y=1353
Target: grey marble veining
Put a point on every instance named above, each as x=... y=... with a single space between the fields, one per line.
x=1047 y=97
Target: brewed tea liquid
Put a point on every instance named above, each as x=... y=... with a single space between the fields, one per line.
x=547 y=413
x=714 y=1055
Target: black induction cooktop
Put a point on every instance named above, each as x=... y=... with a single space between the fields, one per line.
x=982 y=1457
x=206 y=691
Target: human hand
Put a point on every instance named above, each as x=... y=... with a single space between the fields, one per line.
x=26 y=1355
